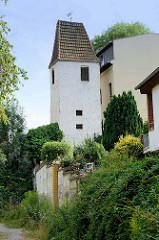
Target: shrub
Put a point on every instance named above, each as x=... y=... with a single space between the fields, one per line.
x=90 y=150
x=37 y=137
x=33 y=208
x=119 y=202
x=130 y=145
x=2 y=157
x=51 y=150
x=121 y=117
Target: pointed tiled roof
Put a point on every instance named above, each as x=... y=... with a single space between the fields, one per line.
x=72 y=43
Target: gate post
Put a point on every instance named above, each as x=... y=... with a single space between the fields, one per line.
x=55 y=167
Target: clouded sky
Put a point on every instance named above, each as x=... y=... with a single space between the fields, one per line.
x=33 y=24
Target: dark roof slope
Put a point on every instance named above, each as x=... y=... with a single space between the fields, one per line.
x=72 y=43
x=150 y=82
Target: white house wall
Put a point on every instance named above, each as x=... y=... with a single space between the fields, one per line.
x=74 y=94
x=134 y=59
x=54 y=96
x=154 y=134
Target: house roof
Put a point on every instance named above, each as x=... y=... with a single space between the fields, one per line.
x=72 y=43
x=104 y=48
x=150 y=82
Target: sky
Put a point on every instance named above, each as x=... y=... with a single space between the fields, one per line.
x=33 y=24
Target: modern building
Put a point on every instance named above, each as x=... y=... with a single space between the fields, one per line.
x=74 y=83
x=124 y=63
x=150 y=87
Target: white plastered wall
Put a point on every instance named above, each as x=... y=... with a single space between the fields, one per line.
x=134 y=59
x=154 y=134
x=72 y=94
x=54 y=95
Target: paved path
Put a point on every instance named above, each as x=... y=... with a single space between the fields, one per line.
x=10 y=233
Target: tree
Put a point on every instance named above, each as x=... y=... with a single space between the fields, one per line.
x=38 y=136
x=119 y=30
x=16 y=170
x=9 y=71
x=121 y=117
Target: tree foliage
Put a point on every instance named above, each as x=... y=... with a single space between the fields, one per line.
x=119 y=30
x=121 y=117
x=38 y=136
x=16 y=170
x=9 y=72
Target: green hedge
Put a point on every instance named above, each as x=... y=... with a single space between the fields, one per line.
x=51 y=150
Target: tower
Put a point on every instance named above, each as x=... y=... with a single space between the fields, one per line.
x=74 y=83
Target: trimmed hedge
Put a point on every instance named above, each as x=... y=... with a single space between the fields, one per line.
x=51 y=150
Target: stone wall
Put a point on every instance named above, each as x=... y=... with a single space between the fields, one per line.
x=65 y=185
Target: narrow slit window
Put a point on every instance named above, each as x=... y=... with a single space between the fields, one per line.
x=100 y=96
x=78 y=112
x=84 y=73
x=53 y=77
x=79 y=126
x=150 y=111
x=110 y=90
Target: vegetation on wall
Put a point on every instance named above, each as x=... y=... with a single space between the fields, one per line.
x=89 y=151
x=38 y=136
x=121 y=118
x=119 y=30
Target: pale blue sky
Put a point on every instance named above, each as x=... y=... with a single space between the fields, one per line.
x=33 y=24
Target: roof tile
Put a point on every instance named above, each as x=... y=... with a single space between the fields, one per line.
x=72 y=43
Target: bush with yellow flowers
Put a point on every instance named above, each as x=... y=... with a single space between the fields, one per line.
x=130 y=145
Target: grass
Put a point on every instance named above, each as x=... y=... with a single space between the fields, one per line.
x=3 y=235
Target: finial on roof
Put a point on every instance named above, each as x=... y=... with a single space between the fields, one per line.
x=69 y=15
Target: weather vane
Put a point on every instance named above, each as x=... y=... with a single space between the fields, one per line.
x=69 y=15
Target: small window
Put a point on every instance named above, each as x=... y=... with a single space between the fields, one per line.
x=84 y=73
x=101 y=59
x=53 y=77
x=79 y=126
x=150 y=111
x=78 y=112
x=110 y=90
x=100 y=96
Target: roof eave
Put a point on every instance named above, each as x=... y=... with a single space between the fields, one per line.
x=69 y=60
x=104 y=48
x=105 y=66
x=141 y=84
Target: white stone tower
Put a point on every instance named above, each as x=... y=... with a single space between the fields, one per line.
x=74 y=83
